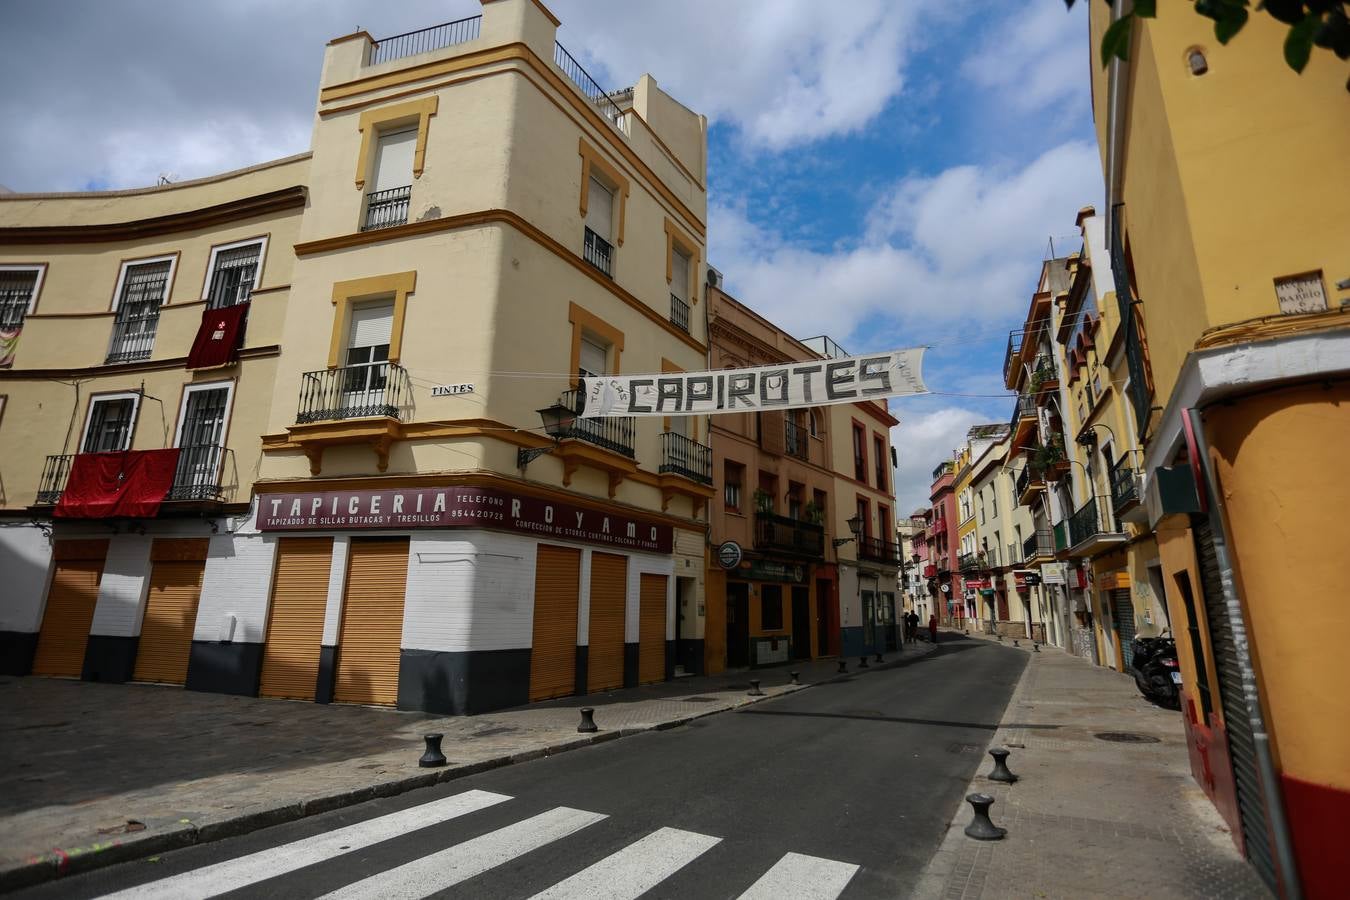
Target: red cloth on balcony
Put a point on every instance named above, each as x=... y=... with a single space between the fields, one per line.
x=103 y=485
x=219 y=337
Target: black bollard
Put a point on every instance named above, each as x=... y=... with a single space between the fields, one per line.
x=794 y=677
x=1001 y=772
x=754 y=688
x=981 y=828
x=433 y=756
x=843 y=666
x=1036 y=648
x=879 y=658
x=1000 y=638
x=862 y=662
x=1015 y=644
x=587 y=721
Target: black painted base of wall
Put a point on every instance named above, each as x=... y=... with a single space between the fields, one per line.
x=109 y=658
x=323 y=684
x=583 y=668
x=463 y=683
x=17 y=649
x=689 y=653
x=630 y=665
x=220 y=668
x=670 y=660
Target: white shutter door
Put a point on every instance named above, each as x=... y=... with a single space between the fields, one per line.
x=593 y=357
x=394 y=160
x=600 y=209
x=372 y=325
x=679 y=276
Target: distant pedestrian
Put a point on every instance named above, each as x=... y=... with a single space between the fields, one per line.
x=912 y=626
x=932 y=628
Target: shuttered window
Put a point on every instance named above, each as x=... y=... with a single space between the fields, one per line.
x=651 y=628
x=394 y=160
x=295 y=619
x=600 y=209
x=594 y=357
x=553 y=653
x=609 y=589
x=372 y=622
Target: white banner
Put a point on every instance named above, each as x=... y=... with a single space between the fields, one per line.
x=792 y=385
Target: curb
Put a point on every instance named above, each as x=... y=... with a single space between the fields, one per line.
x=57 y=864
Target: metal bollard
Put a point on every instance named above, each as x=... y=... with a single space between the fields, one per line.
x=1001 y=771
x=794 y=677
x=862 y=662
x=1036 y=648
x=754 y=688
x=843 y=666
x=433 y=756
x=879 y=658
x=981 y=827
x=1000 y=638
x=1015 y=644
x=587 y=721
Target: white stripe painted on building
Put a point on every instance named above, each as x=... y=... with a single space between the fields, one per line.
x=446 y=868
x=121 y=590
x=634 y=870
x=233 y=874
x=337 y=583
x=802 y=877
x=469 y=590
x=238 y=582
x=26 y=561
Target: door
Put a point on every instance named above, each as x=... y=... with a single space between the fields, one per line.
x=801 y=623
x=824 y=599
x=738 y=625
x=200 y=438
x=651 y=628
x=869 y=604
x=609 y=593
x=290 y=667
x=70 y=608
x=888 y=611
x=715 y=625
x=175 y=586
x=553 y=652
x=1123 y=613
x=371 y=635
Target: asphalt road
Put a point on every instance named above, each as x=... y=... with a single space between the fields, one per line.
x=863 y=772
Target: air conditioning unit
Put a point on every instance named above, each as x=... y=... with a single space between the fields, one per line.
x=714 y=278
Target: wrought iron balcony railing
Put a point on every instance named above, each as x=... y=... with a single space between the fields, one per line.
x=1042 y=543
x=1124 y=485
x=133 y=336
x=205 y=472
x=787 y=535
x=599 y=97
x=424 y=40
x=971 y=562
x=610 y=432
x=1092 y=518
x=683 y=456
x=797 y=440
x=879 y=550
x=385 y=209
x=1025 y=408
x=598 y=252
x=679 y=313
x=55 y=473
x=370 y=390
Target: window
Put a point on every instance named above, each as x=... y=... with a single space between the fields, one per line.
x=19 y=286
x=387 y=200
x=770 y=607
x=879 y=448
x=233 y=273
x=794 y=499
x=982 y=507
x=202 y=421
x=820 y=500
x=993 y=503
x=865 y=514
x=111 y=422
x=594 y=358
x=733 y=476
x=598 y=250
x=766 y=497
x=815 y=422
x=679 y=289
x=859 y=454
x=367 y=360
x=141 y=289
x=883 y=522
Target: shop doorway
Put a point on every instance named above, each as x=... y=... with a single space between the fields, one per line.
x=738 y=625
x=801 y=623
x=824 y=600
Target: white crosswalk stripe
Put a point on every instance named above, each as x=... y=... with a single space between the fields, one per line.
x=635 y=869
x=236 y=873
x=802 y=877
x=446 y=868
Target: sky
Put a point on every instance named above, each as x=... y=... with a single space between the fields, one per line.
x=887 y=172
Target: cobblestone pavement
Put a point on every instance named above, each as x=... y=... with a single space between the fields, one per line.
x=92 y=774
x=1090 y=818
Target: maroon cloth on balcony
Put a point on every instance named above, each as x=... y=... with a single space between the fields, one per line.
x=219 y=337
x=103 y=485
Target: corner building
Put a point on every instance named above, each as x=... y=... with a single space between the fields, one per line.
x=484 y=224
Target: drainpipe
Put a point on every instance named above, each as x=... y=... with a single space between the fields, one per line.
x=1270 y=785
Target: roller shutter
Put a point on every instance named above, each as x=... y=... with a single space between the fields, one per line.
x=175 y=586
x=70 y=607
x=1236 y=718
x=372 y=622
x=609 y=589
x=1124 y=618
x=651 y=628
x=295 y=619
x=553 y=653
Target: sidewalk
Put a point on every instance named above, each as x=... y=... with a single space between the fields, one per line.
x=95 y=774
x=1089 y=818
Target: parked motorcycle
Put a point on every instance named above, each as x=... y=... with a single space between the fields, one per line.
x=1156 y=671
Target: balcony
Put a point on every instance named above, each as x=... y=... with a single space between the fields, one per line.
x=785 y=535
x=371 y=390
x=1038 y=548
x=385 y=209
x=601 y=99
x=879 y=550
x=971 y=562
x=685 y=457
x=598 y=252
x=1093 y=529
x=205 y=474
x=425 y=40
x=1125 y=484
x=1023 y=424
x=1044 y=378
x=679 y=313
x=797 y=440
x=1030 y=482
x=612 y=433
x=930 y=570
x=1012 y=358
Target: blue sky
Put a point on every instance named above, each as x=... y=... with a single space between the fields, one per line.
x=889 y=172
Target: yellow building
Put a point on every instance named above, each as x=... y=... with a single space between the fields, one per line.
x=418 y=517
x=1232 y=276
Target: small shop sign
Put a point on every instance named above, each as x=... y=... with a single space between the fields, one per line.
x=771 y=570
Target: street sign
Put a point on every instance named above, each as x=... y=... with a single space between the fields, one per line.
x=729 y=555
x=450 y=390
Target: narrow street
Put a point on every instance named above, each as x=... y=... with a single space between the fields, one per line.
x=860 y=773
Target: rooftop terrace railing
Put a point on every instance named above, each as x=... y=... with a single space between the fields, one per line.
x=424 y=40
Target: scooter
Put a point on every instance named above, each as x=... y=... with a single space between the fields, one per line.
x=1156 y=671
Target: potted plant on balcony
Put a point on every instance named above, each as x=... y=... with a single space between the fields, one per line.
x=813 y=513
x=763 y=501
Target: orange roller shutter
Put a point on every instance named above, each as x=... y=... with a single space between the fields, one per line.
x=609 y=589
x=170 y=616
x=70 y=607
x=295 y=619
x=372 y=622
x=652 y=629
x=553 y=653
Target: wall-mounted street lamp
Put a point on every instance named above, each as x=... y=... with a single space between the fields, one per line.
x=558 y=421
x=854 y=525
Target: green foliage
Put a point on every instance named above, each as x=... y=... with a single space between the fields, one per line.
x=1321 y=23
x=763 y=501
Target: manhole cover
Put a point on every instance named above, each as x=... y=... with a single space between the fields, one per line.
x=1126 y=737
x=699 y=700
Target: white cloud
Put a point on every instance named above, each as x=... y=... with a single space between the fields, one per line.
x=922 y=440
x=1035 y=57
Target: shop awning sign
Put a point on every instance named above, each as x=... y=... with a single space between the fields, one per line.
x=807 y=383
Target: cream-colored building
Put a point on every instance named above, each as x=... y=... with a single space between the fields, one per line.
x=477 y=224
